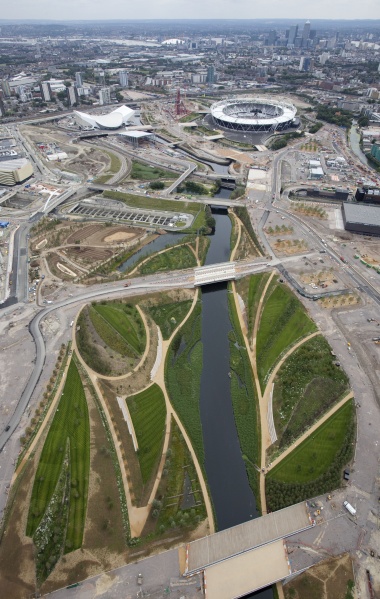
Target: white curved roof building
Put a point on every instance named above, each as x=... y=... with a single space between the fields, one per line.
x=253 y=114
x=114 y=120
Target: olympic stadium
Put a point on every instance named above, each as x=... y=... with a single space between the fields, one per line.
x=113 y=120
x=253 y=115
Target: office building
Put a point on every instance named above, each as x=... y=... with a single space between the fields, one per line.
x=105 y=96
x=210 y=78
x=293 y=31
x=305 y=33
x=79 y=79
x=305 y=64
x=123 y=78
x=324 y=57
x=375 y=152
x=6 y=88
x=272 y=37
x=45 y=91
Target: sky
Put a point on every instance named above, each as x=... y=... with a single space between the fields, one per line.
x=190 y=9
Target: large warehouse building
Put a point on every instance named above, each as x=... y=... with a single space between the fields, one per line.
x=15 y=171
x=253 y=114
x=361 y=219
x=114 y=120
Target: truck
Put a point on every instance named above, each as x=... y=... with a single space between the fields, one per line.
x=349 y=508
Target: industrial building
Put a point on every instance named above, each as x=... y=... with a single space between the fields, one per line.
x=316 y=173
x=15 y=171
x=114 y=120
x=361 y=219
x=368 y=194
x=340 y=195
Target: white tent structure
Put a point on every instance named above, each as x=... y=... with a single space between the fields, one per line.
x=114 y=120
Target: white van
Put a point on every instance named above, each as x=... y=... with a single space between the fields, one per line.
x=349 y=508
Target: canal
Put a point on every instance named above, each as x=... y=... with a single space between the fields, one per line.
x=233 y=499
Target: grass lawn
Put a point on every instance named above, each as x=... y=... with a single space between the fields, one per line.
x=176 y=258
x=189 y=117
x=243 y=394
x=283 y=322
x=314 y=456
x=255 y=289
x=125 y=321
x=148 y=413
x=169 y=316
x=183 y=371
x=114 y=167
x=316 y=465
x=71 y=423
x=307 y=384
x=176 y=508
x=110 y=335
x=149 y=173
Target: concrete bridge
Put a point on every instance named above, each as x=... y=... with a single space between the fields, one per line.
x=181 y=178
x=215 y=273
x=247 y=557
x=196 y=199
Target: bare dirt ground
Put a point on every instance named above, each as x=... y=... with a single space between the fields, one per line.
x=327 y=580
x=289 y=247
x=69 y=251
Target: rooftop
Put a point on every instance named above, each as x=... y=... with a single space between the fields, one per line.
x=359 y=213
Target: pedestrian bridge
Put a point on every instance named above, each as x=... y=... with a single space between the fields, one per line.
x=247 y=557
x=215 y=273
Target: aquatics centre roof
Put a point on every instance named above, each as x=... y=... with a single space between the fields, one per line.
x=113 y=120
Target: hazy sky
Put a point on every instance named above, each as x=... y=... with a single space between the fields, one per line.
x=194 y=9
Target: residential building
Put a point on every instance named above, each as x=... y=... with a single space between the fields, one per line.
x=45 y=91
x=79 y=79
x=123 y=78
x=105 y=95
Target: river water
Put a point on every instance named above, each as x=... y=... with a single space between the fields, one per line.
x=355 y=145
x=156 y=245
x=232 y=496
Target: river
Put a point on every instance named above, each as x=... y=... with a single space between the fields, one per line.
x=355 y=145
x=233 y=499
x=156 y=245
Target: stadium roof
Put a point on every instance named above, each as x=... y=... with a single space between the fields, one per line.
x=361 y=214
x=232 y=111
x=113 y=120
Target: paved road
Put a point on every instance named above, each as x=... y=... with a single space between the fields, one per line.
x=160 y=579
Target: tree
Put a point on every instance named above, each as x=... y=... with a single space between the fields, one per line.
x=157 y=185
